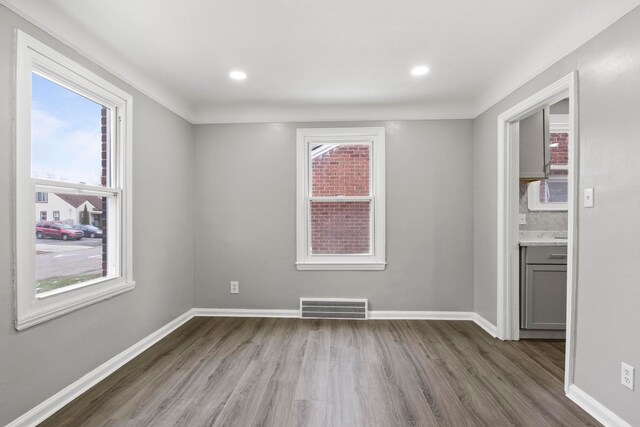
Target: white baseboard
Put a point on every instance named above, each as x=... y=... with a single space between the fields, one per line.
x=243 y=312
x=420 y=315
x=489 y=327
x=594 y=408
x=373 y=315
x=72 y=391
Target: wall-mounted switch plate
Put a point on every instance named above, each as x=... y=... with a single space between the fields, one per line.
x=235 y=287
x=626 y=376
x=588 y=197
x=522 y=219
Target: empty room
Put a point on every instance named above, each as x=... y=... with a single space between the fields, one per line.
x=319 y=213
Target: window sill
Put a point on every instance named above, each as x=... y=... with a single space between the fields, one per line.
x=342 y=266
x=73 y=300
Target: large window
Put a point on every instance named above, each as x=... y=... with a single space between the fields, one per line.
x=340 y=206
x=72 y=146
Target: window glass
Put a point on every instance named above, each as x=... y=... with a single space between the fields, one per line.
x=340 y=169
x=64 y=255
x=67 y=134
x=554 y=190
x=340 y=228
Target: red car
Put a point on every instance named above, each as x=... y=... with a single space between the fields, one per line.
x=57 y=230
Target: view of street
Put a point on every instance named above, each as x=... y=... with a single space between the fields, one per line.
x=62 y=263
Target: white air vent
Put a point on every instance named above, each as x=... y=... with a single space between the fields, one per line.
x=333 y=308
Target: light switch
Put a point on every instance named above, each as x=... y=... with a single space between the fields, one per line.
x=588 y=197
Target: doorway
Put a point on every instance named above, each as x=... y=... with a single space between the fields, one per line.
x=508 y=267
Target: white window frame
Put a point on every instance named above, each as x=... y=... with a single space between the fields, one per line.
x=375 y=260
x=31 y=309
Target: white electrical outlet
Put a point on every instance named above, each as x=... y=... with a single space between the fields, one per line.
x=235 y=287
x=588 y=197
x=522 y=219
x=626 y=376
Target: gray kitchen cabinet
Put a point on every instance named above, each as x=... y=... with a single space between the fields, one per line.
x=534 y=145
x=543 y=288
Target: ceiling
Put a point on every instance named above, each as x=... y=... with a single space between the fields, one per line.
x=312 y=60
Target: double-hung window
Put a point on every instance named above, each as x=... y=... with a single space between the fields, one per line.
x=73 y=143
x=340 y=199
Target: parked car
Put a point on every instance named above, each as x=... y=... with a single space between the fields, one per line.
x=57 y=230
x=89 y=230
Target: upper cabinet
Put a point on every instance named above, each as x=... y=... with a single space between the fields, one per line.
x=534 y=146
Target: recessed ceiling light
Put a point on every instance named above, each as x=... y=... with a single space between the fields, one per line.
x=238 y=75
x=420 y=70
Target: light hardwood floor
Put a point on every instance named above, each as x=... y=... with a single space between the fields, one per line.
x=292 y=372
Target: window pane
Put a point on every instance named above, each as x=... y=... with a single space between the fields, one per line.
x=340 y=170
x=554 y=191
x=559 y=150
x=69 y=135
x=340 y=228
x=73 y=249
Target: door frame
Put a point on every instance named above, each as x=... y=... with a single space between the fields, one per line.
x=508 y=303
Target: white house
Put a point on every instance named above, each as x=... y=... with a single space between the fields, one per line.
x=67 y=208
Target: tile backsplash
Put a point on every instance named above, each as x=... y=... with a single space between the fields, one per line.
x=541 y=220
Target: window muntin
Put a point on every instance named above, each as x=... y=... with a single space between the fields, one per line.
x=55 y=98
x=340 y=199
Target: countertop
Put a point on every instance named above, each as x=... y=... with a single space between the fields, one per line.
x=543 y=238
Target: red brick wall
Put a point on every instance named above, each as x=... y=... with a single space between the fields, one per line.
x=343 y=171
x=560 y=154
x=341 y=227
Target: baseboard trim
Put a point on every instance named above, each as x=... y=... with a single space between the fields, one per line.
x=74 y=390
x=488 y=327
x=373 y=314
x=594 y=408
x=420 y=315
x=244 y=312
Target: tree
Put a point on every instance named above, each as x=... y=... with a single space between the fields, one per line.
x=84 y=219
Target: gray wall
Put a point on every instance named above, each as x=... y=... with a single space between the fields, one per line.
x=245 y=219
x=608 y=274
x=40 y=361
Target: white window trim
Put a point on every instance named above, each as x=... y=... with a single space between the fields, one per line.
x=534 y=203
x=374 y=261
x=31 y=55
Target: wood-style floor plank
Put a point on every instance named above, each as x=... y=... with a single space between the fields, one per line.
x=294 y=372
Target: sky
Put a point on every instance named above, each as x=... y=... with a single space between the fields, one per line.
x=65 y=134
